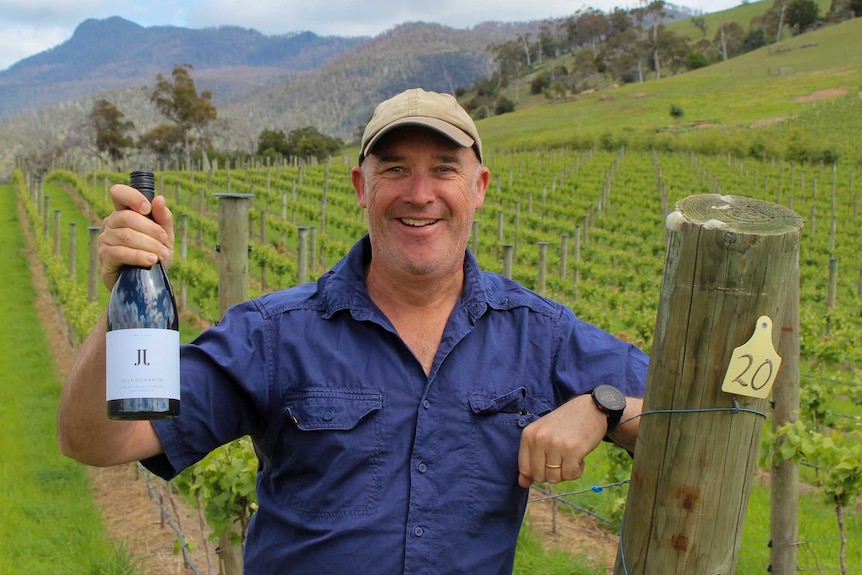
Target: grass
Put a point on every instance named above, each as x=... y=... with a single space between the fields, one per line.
x=741 y=14
x=818 y=534
x=737 y=92
x=532 y=559
x=50 y=524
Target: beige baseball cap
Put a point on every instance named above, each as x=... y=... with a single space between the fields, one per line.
x=417 y=107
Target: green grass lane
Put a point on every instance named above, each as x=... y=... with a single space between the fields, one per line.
x=50 y=524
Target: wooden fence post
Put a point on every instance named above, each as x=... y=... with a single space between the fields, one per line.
x=46 y=222
x=233 y=246
x=93 y=263
x=58 y=217
x=507 y=260
x=726 y=273
x=543 y=268
x=475 y=239
x=72 y=250
x=577 y=276
x=263 y=286
x=784 y=484
x=564 y=254
x=302 y=256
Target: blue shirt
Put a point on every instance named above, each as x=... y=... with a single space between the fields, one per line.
x=367 y=465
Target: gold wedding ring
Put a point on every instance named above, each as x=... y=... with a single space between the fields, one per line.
x=549 y=466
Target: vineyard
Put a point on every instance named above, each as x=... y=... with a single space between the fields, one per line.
x=584 y=225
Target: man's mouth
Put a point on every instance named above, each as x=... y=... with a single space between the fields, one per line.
x=416 y=223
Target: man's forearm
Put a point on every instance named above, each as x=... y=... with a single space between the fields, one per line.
x=84 y=431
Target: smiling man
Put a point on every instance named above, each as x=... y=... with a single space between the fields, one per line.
x=401 y=405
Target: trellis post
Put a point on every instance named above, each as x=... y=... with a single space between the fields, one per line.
x=713 y=360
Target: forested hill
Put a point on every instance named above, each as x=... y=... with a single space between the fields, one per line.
x=116 y=53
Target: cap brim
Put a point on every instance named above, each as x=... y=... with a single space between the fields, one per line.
x=453 y=133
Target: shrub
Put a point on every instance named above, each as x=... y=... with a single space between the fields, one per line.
x=503 y=106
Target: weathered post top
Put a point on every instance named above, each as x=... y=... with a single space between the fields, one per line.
x=736 y=214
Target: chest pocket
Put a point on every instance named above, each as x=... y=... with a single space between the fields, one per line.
x=334 y=452
x=495 y=435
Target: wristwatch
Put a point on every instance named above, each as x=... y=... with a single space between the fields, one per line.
x=610 y=401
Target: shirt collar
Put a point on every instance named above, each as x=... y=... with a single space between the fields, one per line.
x=345 y=286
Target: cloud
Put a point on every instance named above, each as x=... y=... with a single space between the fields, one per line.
x=37 y=13
x=19 y=42
x=363 y=18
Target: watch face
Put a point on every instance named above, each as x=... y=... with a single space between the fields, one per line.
x=610 y=398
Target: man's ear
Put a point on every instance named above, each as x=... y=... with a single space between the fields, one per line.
x=482 y=186
x=357 y=178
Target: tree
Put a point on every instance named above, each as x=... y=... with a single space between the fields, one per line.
x=673 y=49
x=503 y=105
x=180 y=103
x=165 y=140
x=729 y=39
x=656 y=10
x=592 y=27
x=619 y=21
x=302 y=143
x=271 y=140
x=307 y=142
x=111 y=129
x=700 y=23
x=755 y=39
x=802 y=13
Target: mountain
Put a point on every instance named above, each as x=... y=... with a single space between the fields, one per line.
x=115 y=53
x=258 y=82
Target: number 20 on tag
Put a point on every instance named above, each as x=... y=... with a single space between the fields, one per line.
x=753 y=365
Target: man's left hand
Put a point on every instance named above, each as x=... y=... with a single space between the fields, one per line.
x=553 y=447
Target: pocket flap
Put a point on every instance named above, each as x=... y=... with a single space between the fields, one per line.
x=328 y=409
x=515 y=401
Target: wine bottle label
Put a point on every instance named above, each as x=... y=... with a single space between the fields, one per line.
x=143 y=363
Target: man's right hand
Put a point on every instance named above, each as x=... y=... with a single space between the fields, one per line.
x=129 y=237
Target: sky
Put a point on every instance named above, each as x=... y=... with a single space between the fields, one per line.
x=28 y=27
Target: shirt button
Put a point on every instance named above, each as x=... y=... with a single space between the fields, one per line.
x=426 y=404
x=522 y=422
x=327 y=415
x=418 y=531
x=422 y=468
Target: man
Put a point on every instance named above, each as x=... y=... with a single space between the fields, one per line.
x=401 y=405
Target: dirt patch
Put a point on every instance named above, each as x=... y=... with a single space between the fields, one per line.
x=821 y=95
x=575 y=533
x=768 y=121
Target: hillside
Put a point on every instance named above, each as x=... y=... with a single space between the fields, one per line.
x=756 y=89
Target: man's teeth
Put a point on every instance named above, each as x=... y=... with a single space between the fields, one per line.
x=417 y=223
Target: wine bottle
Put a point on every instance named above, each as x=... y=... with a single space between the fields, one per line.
x=143 y=339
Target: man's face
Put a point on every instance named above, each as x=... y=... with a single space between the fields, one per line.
x=421 y=191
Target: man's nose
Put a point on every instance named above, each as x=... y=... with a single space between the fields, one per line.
x=421 y=189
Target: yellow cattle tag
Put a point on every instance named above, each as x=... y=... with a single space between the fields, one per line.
x=753 y=365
